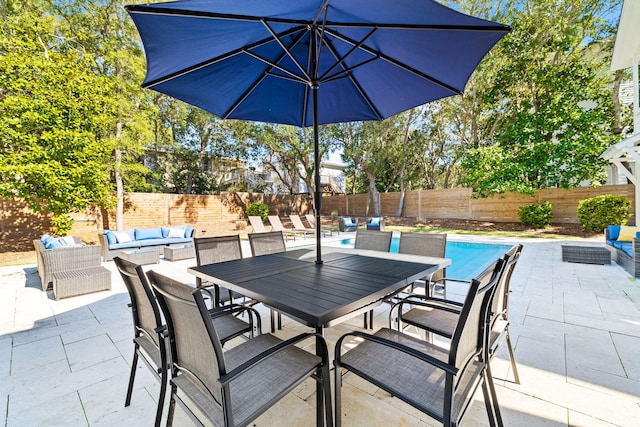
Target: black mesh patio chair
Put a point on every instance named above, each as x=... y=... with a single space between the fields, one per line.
x=439 y=316
x=150 y=332
x=373 y=241
x=235 y=386
x=264 y=244
x=211 y=250
x=439 y=382
x=425 y=244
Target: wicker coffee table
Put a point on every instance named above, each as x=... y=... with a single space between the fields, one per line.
x=176 y=253
x=142 y=256
x=586 y=254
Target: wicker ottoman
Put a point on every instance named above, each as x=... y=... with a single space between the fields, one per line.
x=82 y=281
x=176 y=253
x=142 y=256
x=586 y=254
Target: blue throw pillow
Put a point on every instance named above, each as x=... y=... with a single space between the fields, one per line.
x=188 y=231
x=165 y=232
x=347 y=221
x=614 y=232
x=148 y=233
x=111 y=237
x=51 y=243
x=374 y=221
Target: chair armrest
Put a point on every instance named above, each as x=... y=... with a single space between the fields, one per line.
x=230 y=376
x=231 y=309
x=397 y=346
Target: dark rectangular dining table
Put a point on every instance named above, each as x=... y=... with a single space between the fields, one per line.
x=348 y=282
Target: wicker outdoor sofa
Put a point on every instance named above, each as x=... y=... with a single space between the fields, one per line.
x=139 y=238
x=623 y=252
x=71 y=270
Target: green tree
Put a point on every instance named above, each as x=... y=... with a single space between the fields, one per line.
x=551 y=103
x=53 y=111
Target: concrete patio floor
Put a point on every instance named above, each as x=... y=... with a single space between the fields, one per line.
x=575 y=328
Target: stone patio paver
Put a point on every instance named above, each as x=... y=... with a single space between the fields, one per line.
x=575 y=329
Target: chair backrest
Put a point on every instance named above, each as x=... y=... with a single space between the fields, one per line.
x=311 y=219
x=275 y=222
x=266 y=243
x=297 y=222
x=145 y=310
x=469 y=336
x=500 y=300
x=191 y=340
x=373 y=240
x=210 y=250
x=257 y=224
x=424 y=244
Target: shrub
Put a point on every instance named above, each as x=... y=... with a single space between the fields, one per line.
x=536 y=215
x=61 y=224
x=258 y=209
x=596 y=213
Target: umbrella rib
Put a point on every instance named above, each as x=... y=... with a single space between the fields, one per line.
x=250 y=89
x=341 y=60
x=355 y=83
x=217 y=59
x=293 y=77
x=342 y=74
x=152 y=10
x=397 y=63
x=286 y=50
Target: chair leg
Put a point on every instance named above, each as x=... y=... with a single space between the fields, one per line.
x=273 y=322
x=338 y=395
x=163 y=391
x=132 y=376
x=326 y=386
x=494 y=396
x=516 y=377
x=172 y=406
x=487 y=401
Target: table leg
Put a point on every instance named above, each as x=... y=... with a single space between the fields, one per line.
x=319 y=389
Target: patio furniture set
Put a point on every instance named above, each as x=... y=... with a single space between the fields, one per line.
x=234 y=386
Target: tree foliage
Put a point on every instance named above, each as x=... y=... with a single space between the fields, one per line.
x=53 y=111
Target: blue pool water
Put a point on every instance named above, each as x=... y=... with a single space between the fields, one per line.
x=467 y=259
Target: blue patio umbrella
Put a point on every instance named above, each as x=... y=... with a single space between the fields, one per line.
x=310 y=62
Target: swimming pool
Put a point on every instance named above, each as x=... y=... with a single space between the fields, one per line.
x=468 y=259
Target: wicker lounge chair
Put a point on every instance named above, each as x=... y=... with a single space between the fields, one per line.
x=347 y=224
x=439 y=382
x=376 y=223
x=235 y=386
x=440 y=316
x=276 y=224
x=265 y=244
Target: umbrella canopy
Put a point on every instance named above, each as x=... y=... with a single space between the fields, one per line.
x=310 y=62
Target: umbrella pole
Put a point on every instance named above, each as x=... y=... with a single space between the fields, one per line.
x=317 y=199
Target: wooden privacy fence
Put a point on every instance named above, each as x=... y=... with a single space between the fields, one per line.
x=224 y=214
x=458 y=203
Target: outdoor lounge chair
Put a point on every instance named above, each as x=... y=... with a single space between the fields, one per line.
x=235 y=386
x=276 y=224
x=257 y=224
x=439 y=382
x=311 y=219
x=264 y=244
x=150 y=332
x=347 y=224
x=298 y=225
x=440 y=316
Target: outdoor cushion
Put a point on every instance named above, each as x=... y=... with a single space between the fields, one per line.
x=374 y=221
x=626 y=247
x=188 y=231
x=122 y=236
x=176 y=233
x=111 y=237
x=148 y=233
x=67 y=241
x=627 y=233
x=614 y=231
x=347 y=221
x=50 y=242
